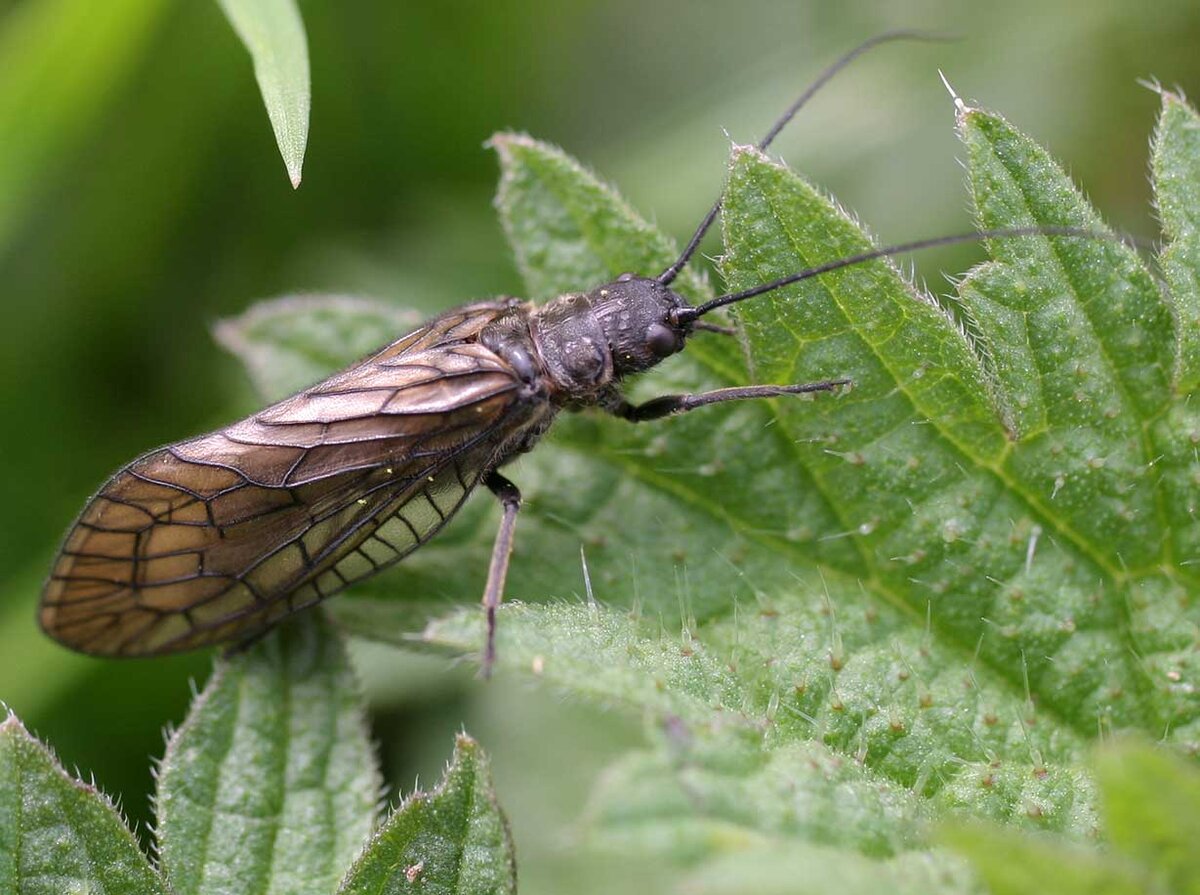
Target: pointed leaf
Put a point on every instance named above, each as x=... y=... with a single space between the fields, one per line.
x=937 y=522
x=452 y=841
x=1168 y=627
x=1083 y=348
x=273 y=32
x=270 y=785
x=58 y=834
x=1176 y=167
x=1106 y=459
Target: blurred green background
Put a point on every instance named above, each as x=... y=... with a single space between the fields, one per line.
x=142 y=198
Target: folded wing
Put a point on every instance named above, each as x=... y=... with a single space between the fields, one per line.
x=216 y=538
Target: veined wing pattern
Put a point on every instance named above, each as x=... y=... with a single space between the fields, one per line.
x=216 y=538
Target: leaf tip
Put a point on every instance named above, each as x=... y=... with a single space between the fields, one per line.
x=503 y=142
x=11 y=725
x=1175 y=97
x=742 y=154
x=465 y=744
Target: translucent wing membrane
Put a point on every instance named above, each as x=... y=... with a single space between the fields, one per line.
x=217 y=538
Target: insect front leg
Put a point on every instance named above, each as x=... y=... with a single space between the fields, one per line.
x=493 y=592
x=666 y=405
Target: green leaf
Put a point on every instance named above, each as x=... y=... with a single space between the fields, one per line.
x=1083 y=346
x=1152 y=810
x=568 y=230
x=452 y=841
x=1176 y=166
x=1176 y=169
x=273 y=32
x=797 y=719
x=270 y=785
x=288 y=343
x=61 y=60
x=921 y=486
x=60 y=835
x=851 y=616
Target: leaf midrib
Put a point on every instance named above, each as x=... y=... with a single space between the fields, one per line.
x=900 y=386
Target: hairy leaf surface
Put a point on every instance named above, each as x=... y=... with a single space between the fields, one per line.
x=857 y=614
x=270 y=785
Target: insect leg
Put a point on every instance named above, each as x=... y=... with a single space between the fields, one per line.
x=493 y=592
x=656 y=408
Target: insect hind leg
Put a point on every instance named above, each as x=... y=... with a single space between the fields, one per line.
x=493 y=592
x=668 y=405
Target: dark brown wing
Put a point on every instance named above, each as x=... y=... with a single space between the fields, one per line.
x=216 y=538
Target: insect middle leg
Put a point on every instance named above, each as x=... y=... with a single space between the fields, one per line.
x=666 y=405
x=493 y=592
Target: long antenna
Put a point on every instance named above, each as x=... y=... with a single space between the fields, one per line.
x=669 y=275
x=684 y=315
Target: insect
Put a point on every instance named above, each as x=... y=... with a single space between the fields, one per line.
x=215 y=539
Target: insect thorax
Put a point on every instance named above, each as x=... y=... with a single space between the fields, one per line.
x=573 y=348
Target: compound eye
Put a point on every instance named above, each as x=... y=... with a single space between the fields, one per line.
x=625 y=277
x=662 y=340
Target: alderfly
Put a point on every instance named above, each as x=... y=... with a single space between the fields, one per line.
x=215 y=539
